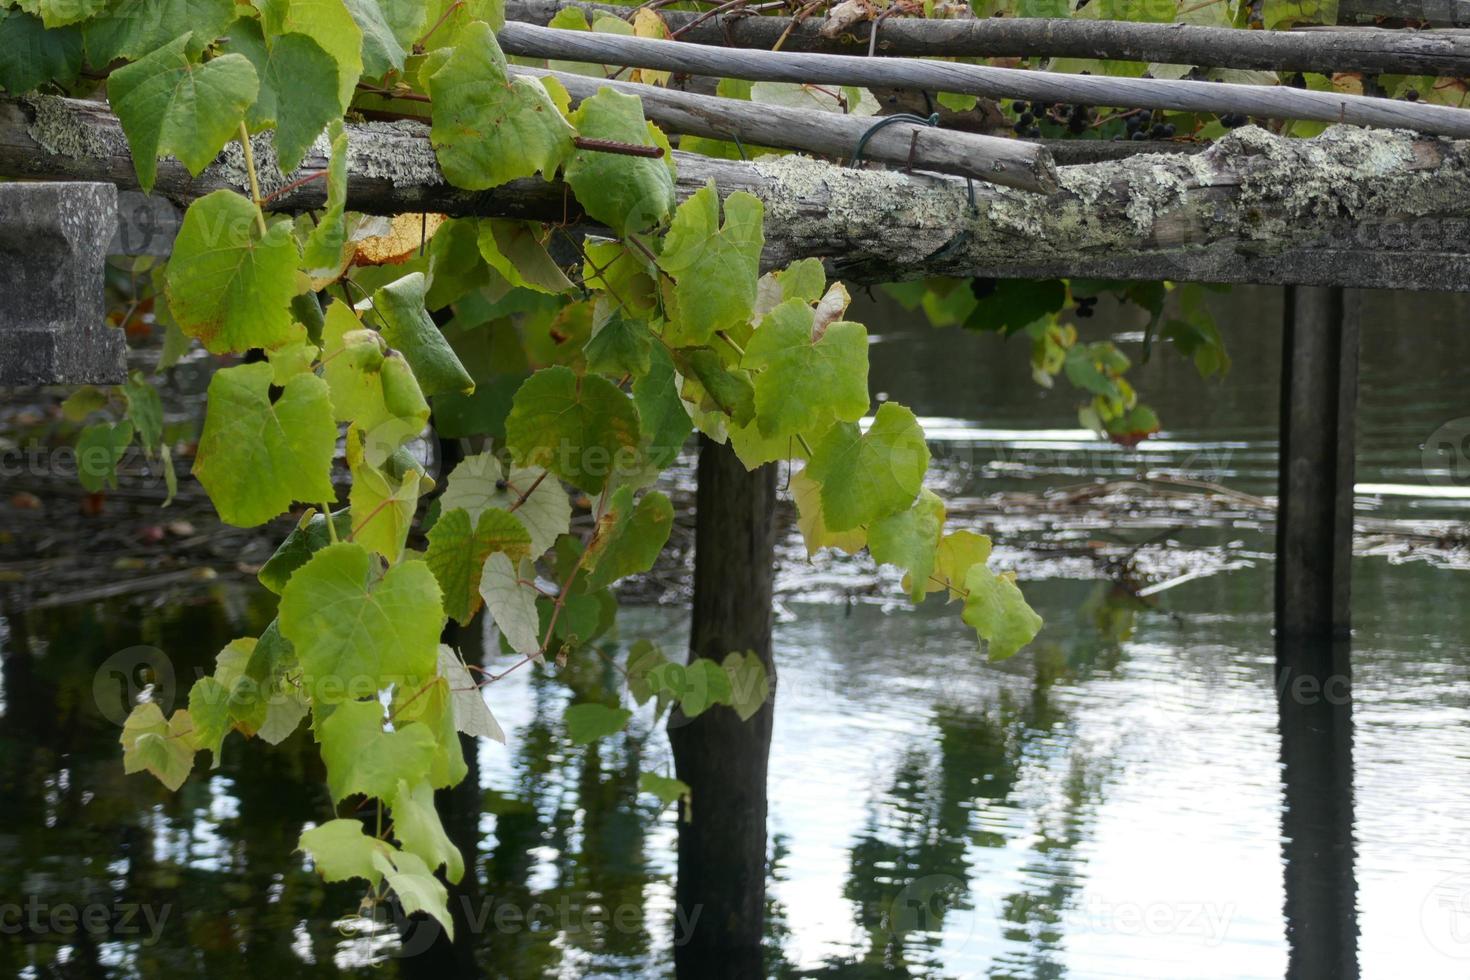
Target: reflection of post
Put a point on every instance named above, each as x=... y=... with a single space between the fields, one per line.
x=1315 y=701
x=722 y=848
x=1314 y=522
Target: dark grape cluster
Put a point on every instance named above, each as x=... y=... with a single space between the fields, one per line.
x=1086 y=305
x=1231 y=120
x=1026 y=118
x=1139 y=125
x=1412 y=95
x=1030 y=115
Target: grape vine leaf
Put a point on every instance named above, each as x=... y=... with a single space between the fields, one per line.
x=31 y=55
x=132 y=28
x=167 y=104
x=100 y=448
x=628 y=538
x=407 y=327
x=256 y=457
x=715 y=266
x=666 y=788
x=810 y=520
x=164 y=748
x=305 y=540
x=298 y=88
x=480 y=483
x=619 y=345
x=229 y=285
x=471 y=714
x=628 y=194
x=382 y=503
x=750 y=685
x=417 y=826
x=416 y=887
x=910 y=540
x=869 y=475
x=591 y=721
x=997 y=610
x=512 y=604
x=209 y=707
x=342 y=849
x=662 y=417
x=61 y=13
x=515 y=250
x=348 y=630
x=803 y=383
x=488 y=126
x=583 y=429
x=458 y=550
x=958 y=553
x=294 y=356
x=430 y=705
x=719 y=388
x=327 y=22
x=381 y=52
x=363 y=758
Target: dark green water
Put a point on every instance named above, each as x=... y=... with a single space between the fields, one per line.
x=1108 y=804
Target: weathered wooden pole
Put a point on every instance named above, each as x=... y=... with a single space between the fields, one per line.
x=722 y=837
x=1314 y=524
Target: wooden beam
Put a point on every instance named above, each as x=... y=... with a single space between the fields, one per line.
x=1012 y=163
x=1436 y=13
x=1326 y=52
x=1350 y=207
x=1314 y=523
x=1262 y=101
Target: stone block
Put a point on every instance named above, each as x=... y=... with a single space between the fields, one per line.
x=53 y=244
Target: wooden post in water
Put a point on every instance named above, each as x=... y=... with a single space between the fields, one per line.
x=1314 y=521
x=720 y=894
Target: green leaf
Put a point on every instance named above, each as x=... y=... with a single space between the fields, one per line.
x=619 y=345
x=227 y=284
x=869 y=475
x=957 y=554
x=416 y=887
x=456 y=20
x=628 y=194
x=60 y=13
x=583 y=429
x=471 y=714
x=416 y=825
x=804 y=383
x=662 y=417
x=82 y=403
x=31 y=55
x=330 y=25
x=628 y=539
x=209 y=707
x=910 y=540
x=363 y=758
x=666 y=788
x=256 y=457
x=382 y=503
x=812 y=522
x=723 y=390
x=132 y=28
x=997 y=610
x=488 y=126
x=99 y=449
x=381 y=52
x=341 y=849
x=354 y=635
x=169 y=105
x=512 y=604
x=805 y=279
x=715 y=267
x=298 y=90
x=750 y=685
x=515 y=250
x=1015 y=303
x=407 y=326
x=430 y=705
x=703 y=685
x=305 y=540
x=589 y=722
x=458 y=549
x=479 y=483
x=164 y=748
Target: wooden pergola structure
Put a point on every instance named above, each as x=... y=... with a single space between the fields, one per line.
x=1352 y=209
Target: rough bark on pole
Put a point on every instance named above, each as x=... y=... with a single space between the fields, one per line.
x=1273 y=102
x=722 y=838
x=1012 y=163
x=1314 y=523
x=1350 y=207
x=1437 y=13
x=1327 y=52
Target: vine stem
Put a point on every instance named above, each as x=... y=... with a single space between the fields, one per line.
x=249 y=152
x=331 y=527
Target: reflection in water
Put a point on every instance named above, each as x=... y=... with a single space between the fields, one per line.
x=1108 y=804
